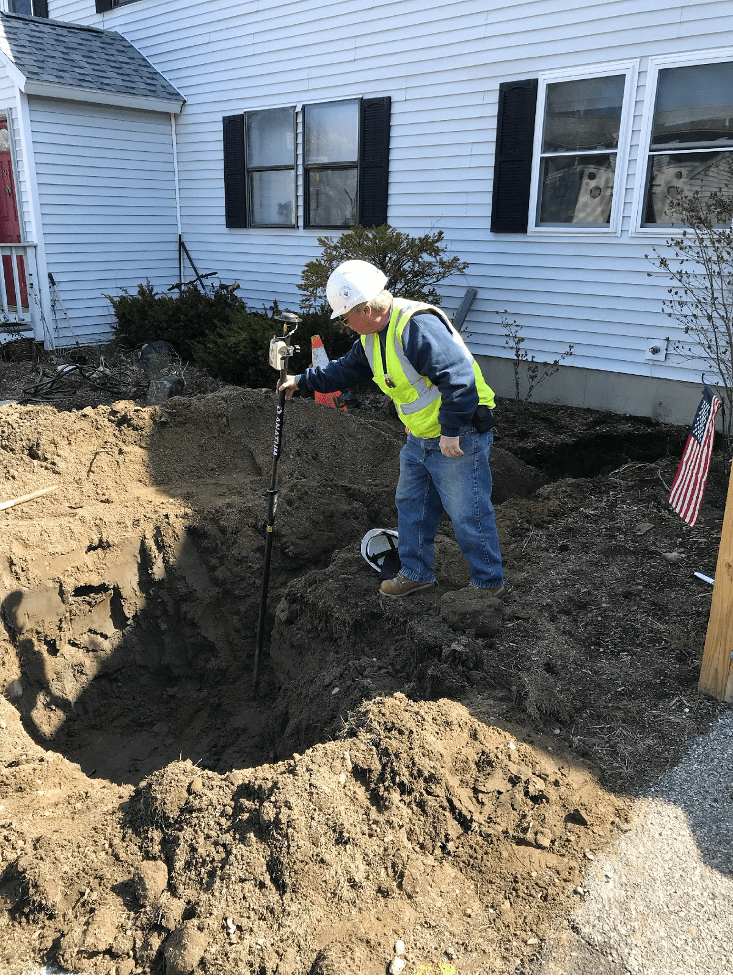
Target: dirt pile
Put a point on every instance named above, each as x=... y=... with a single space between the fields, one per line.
x=408 y=770
x=419 y=824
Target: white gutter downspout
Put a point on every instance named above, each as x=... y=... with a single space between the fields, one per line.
x=178 y=193
x=38 y=289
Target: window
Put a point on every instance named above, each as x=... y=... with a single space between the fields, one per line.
x=578 y=150
x=270 y=167
x=345 y=165
x=102 y=5
x=561 y=145
x=691 y=138
x=29 y=8
x=331 y=161
x=259 y=169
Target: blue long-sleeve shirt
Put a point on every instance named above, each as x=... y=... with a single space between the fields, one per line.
x=431 y=349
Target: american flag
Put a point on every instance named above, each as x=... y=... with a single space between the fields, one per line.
x=689 y=483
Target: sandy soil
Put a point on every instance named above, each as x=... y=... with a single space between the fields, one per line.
x=439 y=771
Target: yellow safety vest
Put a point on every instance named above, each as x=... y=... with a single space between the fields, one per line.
x=417 y=400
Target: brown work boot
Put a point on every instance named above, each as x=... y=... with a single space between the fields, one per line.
x=400 y=586
x=489 y=591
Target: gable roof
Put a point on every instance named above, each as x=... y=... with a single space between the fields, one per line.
x=59 y=60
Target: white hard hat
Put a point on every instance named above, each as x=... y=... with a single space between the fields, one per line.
x=379 y=549
x=352 y=283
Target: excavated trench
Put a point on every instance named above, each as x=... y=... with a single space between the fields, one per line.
x=398 y=775
x=132 y=593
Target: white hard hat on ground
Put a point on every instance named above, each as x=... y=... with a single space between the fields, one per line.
x=352 y=283
x=379 y=549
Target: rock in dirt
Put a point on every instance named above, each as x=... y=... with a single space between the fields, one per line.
x=472 y=610
x=150 y=881
x=184 y=948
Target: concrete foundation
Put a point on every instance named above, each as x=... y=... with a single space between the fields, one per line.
x=671 y=401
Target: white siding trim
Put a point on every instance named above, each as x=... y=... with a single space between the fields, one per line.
x=48 y=89
x=17 y=77
x=40 y=286
x=175 y=173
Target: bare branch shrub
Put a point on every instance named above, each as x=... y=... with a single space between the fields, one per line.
x=701 y=294
x=528 y=373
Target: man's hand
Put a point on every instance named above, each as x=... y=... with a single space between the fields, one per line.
x=288 y=385
x=450 y=447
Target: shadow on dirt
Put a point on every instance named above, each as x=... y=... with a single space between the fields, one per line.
x=137 y=647
x=442 y=798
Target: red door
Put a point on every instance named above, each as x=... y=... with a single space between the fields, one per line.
x=10 y=226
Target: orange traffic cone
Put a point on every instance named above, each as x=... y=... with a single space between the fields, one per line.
x=319 y=357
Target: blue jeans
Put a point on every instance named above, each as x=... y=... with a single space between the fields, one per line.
x=429 y=483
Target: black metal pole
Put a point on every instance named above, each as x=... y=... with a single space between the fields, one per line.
x=284 y=353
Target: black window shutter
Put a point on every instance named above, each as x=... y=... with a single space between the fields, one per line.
x=235 y=183
x=513 y=158
x=374 y=161
x=40 y=8
x=102 y=5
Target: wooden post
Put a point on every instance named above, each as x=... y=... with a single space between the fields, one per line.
x=716 y=673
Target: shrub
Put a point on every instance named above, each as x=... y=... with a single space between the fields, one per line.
x=238 y=351
x=218 y=331
x=413 y=265
x=180 y=319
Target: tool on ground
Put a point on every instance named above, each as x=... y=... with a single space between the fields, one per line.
x=27 y=498
x=280 y=353
x=379 y=549
x=59 y=310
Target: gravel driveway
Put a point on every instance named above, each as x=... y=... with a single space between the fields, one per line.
x=662 y=903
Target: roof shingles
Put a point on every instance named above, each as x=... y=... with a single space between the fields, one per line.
x=81 y=57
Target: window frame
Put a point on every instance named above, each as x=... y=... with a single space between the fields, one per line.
x=102 y=6
x=373 y=165
x=39 y=8
x=271 y=169
x=356 y=164
x=630 y=70
x=656 y=64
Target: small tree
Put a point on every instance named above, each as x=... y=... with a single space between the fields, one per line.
x=524 y=363
x=413 y=265
x=701 y=294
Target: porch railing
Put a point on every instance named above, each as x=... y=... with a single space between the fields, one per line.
x=17 y=285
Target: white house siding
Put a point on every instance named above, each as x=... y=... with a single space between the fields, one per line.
x=107 y=197
x=442 y=64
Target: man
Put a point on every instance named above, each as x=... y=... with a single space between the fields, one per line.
x=416 y=357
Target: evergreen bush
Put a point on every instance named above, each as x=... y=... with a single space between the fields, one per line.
x=413 y=265
x=216 y=330
x=238 y=351
x=180 y=319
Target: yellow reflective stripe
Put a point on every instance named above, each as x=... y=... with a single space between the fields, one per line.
x=423 y=401
x=427 y=394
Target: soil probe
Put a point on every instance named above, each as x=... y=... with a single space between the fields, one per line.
x=280 y=353
x=27 y=498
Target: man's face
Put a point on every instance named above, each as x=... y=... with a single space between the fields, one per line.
x=365 y=322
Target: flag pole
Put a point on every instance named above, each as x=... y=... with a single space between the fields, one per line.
x=716 y=672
